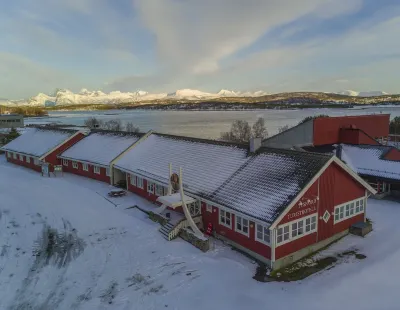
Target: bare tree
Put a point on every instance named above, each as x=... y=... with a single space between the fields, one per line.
x=283 y=128
x=113 y=124
x=259 y=129
x=240 y=132
x=130 y=127
x=93 y=122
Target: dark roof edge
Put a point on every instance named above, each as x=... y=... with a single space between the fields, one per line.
x=116 y=133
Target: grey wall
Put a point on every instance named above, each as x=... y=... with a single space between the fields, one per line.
x=299 y=135
x=11 y=121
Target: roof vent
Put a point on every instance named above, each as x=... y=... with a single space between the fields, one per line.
x=255 y=144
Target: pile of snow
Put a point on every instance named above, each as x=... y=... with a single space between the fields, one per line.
x=126 y=263
x=353 y=93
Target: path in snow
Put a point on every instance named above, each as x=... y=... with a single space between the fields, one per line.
x=126 y=264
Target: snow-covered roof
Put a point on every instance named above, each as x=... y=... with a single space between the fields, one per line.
x=259 y=185
x=269 y=181
x=175 y=200
x=369 y=160
x=100 y=147
x=206 y=165
x=38 y=141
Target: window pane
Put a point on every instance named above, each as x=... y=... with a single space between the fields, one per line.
x=245 y=222
x=308 y=221
x=239 y=226
x=294 y=226
x=313 y=219
x=313 y=226
x=279 y=239
x=245 y=229
x=286 y=229
x=259 y=235
x=286 y=236
x=259 y=228
x=280 y=231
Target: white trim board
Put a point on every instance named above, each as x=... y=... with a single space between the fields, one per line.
x=62 y=143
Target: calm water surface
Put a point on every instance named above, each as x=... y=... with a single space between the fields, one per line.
x=203 y=124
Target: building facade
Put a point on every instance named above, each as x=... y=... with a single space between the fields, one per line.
x=11 y=121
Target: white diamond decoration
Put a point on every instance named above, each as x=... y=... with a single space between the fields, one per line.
x=326 y=216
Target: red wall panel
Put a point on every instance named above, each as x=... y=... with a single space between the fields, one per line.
x=294 y=246
x=393 y=154
x=89 y=174
x=52 y=157
x=327 y=129
x=248 y=242
x=141 y=192
x=23 y=163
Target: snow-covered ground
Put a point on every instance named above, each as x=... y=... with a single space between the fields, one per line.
x=126 y=264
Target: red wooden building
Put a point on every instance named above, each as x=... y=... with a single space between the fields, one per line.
x=277 y=205
x=40 y=146
x=360 y=129
x=93 y=156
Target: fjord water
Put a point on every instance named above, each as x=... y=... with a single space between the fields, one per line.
x=204 y=124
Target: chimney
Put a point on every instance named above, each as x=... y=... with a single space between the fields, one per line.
x=255 y=144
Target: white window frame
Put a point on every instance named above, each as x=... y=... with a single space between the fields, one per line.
x=15 y=155
x=222 y=218
x=263 y=229
x=75 y=165
x=36 y=162
x=150 y=187
x=288 y=229
x=9 y=154
x=194 y=208
x=139 y=182
x=209 y=208
x=133 y=179
x=159 y=190
x=65 y=162
x=239 y=220
x=344 y=212
x=96 y=169
x=108 y=172
x=28 y=159
x=85 y=167
x=21 y=157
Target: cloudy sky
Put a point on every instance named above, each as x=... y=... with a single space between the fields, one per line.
x=164 y=45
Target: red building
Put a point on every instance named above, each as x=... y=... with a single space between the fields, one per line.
x=93 y=156
x=40 y=146
x=277 y=205
x=360 y=129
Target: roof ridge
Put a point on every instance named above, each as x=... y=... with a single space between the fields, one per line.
x=116 y=132
x=268 y=149
x=202 y=140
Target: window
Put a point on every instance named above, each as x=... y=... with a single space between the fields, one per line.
x=262 y=234
x=225 y=218
x=108 y=172
x=65 y=162
x=294 y=230
x=85 y=167
x=242 y=225
x=311 y=224
x=36 y=162
x=28 y=159
x=21 y=157
x=194 y=208
x=150 y=187
x=208 y=207
x=133 y=179
x=74 y=165
x=96 y=169
x=8 y=154
x=139 y=181
x=159 y=190
x=349 y=209
x=15 y=155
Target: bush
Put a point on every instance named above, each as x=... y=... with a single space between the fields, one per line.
x=394 y=125
x=242 y=132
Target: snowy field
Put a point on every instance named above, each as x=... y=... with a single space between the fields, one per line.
x=119 y=260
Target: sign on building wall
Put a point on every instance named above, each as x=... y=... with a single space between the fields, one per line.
x=305 y=206
x=174 y=181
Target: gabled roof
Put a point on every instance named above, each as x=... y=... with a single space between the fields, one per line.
x=269 y=181
x=369 y=160
x=101 y=147
x=38 y=142
x=206 y=164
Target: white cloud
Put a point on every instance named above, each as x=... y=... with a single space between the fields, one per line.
x=194 y=36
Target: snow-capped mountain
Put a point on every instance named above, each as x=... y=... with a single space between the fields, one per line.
x=353 y=93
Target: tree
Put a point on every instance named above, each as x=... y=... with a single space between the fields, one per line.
x=13 y=133
x=259 y=129
x=283 y=128
x=242 y=132
x=394 y=125
x=113 y=124
x=309 y=118
x=93 y=122
x=130 y=127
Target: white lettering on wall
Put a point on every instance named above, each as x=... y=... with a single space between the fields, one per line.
x=306 y=205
